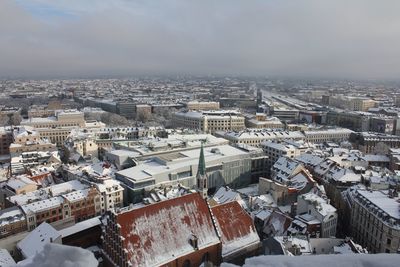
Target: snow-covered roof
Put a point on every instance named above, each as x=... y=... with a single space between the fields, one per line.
x=5 y=258
x=37 y=239
x=225 y=194
x=359 y=260
x=41 y=205
x=180 y=219
x=80 y=226
x=63 y=256
x=236 y=226
x=321 y=205
x=381 y=200
x=11 y=215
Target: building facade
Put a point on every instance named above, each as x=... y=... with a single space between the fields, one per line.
x=375 y=220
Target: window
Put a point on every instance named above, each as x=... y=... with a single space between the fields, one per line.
x=388 y=241
x=186 y=263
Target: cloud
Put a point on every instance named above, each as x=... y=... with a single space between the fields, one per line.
x=313 y=38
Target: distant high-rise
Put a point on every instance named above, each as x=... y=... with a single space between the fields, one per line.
x=259 y=97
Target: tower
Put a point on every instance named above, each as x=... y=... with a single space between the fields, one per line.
x=259 y=97
x=201 y=177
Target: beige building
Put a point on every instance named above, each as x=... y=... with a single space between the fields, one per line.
x=375 y=220
x=27 y=139
x=64 y=118
x=40 y=112
x=210 y=121
x=275 y=150
x=261 y=121
x=57 y=129
x=202 y=105
x=352 y=103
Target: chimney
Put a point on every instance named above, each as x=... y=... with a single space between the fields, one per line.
x=194 y=242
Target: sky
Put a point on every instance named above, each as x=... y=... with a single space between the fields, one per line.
x=357 y=39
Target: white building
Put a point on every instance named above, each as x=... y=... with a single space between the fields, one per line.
x=328 y=135
x=112 y=196
x=210 y=121
x=320 y=208
x=37 y=239
x=275 y=150
x=226 y=165
x=255 y=137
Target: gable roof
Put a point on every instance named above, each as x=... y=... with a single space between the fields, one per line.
x=236 y=227
x=158 y=233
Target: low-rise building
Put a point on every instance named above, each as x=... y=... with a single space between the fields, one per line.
x=318 y=207
x=12 y=221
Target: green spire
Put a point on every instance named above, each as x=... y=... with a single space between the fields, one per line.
x=202 y=163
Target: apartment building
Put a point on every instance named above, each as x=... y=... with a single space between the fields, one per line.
x=255 y=137
x=12 y=221
x=321 y=210
x=78 y=205
x=261 y=121
x=368 y=142
x=328 y=135
x=210 y=121
x=202 y=105
x=275 y=150
x=351 y=102
x=6 y=138
x=375 y=220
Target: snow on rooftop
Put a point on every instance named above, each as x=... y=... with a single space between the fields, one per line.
x=62 y=256
x=179 y=219
x=5 y=258
x=37 y=239
x=348 y=260
x=321 y=204
x=80 y=226
x=236 y=226
x=11 y=215
x=380 y=199
x=41 y=205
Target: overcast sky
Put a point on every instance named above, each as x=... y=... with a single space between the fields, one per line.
x=310 y=38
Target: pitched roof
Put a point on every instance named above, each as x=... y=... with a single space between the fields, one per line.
x=158 y=233
x=236 y=226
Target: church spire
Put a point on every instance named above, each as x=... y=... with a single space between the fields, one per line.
x=202 y=162
x=201 y=177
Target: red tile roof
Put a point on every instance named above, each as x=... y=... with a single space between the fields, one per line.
x=159 y=233
x=236 y=226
